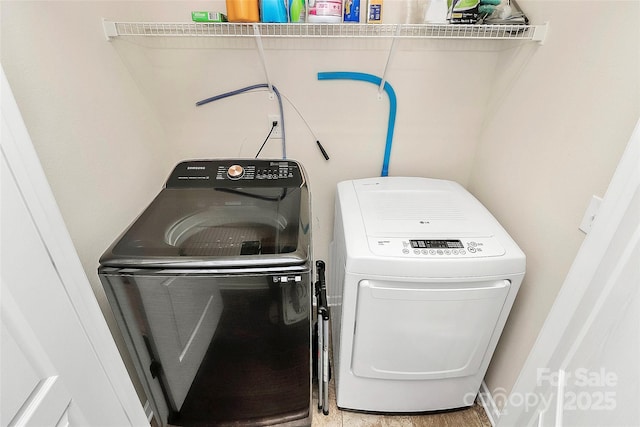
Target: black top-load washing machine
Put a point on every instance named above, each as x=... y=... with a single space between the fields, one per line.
x=211 y=289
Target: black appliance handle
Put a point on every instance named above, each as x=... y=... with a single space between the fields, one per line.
x=323 y=339
x=155 y=368
x=321 y=289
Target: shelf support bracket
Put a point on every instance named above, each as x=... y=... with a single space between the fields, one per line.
x=110 y=29
x=258 y=36
x=540 y=33
x=392 y=50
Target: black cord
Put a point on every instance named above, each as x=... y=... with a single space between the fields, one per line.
x=249 y=88
x=279 y=96
x=273 y=126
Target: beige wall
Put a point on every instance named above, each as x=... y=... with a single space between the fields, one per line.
x=99 y=141
x=553 y=142
x=110 y=119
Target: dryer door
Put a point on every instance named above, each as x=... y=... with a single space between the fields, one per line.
x=418 y=330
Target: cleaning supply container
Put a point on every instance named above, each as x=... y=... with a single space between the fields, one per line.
x=325 y=11
x=352 y=11
x=243 y=11
x=297 y=11
x=374 y=12
x=273 y=11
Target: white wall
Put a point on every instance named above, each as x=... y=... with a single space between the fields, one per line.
x=554 y=141
x=100 y=143
x=102 y=147
x=110 y=119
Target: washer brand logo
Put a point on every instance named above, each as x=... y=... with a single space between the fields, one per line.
x=195 y=168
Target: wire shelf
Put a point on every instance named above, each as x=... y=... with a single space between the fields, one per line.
x=312 y=30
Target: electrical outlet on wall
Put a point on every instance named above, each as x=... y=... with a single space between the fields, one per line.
x=277 y=131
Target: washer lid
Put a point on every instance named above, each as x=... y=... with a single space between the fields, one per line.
x=221 y=224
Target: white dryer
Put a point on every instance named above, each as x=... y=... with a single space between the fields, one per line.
x=422 y=279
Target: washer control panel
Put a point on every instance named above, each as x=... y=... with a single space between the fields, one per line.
x=472 y=247
x=236 y=173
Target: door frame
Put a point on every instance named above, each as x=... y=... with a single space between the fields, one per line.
x=27 y=171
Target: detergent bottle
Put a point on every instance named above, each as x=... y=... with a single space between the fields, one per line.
x=243 y=11
x=273 y=10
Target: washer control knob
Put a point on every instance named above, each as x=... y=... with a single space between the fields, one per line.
x=235 y=172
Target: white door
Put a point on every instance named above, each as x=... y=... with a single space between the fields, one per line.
x=59 y=365
x=583 y=370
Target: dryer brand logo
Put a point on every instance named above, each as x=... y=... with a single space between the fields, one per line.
x=424 y=221
x=195 y=168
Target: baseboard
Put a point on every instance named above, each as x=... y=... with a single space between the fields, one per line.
x=148 y=411
x=490 y=407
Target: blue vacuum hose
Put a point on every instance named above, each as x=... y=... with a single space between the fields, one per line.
x=346 y=75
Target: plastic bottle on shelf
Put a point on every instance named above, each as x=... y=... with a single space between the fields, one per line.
x=243 y=11
x=436 y=12
x=325 y=11
x=402 y=12
x=374 y=12
x=273 y=11
x=352 y=11
x=297 y=11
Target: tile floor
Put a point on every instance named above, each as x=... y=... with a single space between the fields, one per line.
x=471 y=417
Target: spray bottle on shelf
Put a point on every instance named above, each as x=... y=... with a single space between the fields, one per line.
x=297 y=11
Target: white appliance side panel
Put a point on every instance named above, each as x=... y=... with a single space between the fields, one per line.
x=335 y=288
x=414 y=330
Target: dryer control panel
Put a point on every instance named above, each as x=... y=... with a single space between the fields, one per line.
x=472 y=247
x=230 y=173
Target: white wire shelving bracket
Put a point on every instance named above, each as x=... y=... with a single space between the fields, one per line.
x=392 y=49
x=258 y=35
x=536 y=33
x=258 y=31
